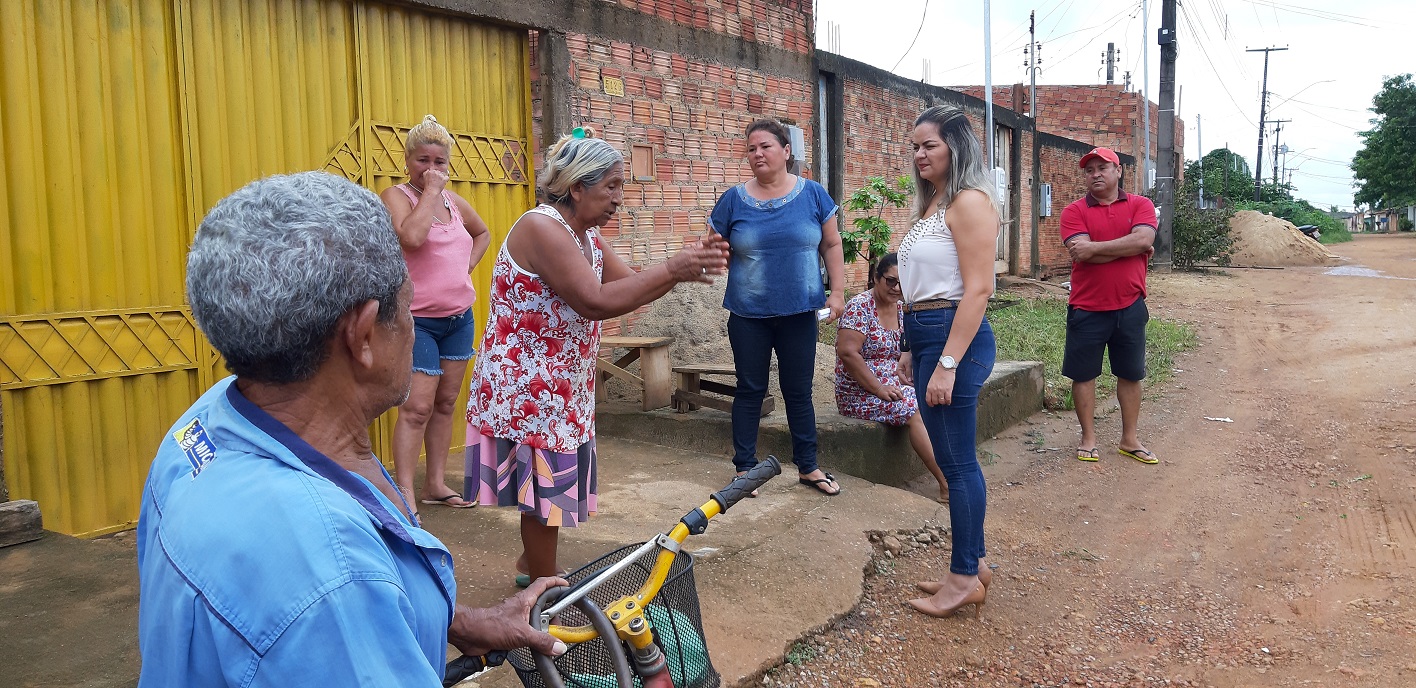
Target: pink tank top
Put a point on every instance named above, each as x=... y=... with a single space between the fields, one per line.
x=440 y=268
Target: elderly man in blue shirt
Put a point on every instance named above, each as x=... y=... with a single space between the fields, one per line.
x=273 y=548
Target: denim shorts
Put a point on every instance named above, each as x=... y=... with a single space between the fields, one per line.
x=438 y=339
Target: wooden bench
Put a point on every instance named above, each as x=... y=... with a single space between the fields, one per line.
x=654 y=381
x=691 y=387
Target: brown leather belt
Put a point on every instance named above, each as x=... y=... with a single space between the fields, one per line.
x=929 y=305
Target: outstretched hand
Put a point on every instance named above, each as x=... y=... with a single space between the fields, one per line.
x=506 y=626
x=701 y=260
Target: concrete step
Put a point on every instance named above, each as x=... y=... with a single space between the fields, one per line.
x=845 y=445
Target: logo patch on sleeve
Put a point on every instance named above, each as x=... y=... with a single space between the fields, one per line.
x=192 y=439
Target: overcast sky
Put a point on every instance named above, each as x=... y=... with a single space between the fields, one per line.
x=1338 y=54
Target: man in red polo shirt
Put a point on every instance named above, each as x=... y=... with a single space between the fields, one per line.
x=1109 y=234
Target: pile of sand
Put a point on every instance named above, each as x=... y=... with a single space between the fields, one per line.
x=694 y=316
x=1261 y=239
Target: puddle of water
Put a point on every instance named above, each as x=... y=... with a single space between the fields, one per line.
x=1360 y=271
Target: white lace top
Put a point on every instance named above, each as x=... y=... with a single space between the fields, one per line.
x=929 y=262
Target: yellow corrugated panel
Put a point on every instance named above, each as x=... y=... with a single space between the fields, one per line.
x=91 y=198
x=475 y=79
x=270 y=87
x=123 y=121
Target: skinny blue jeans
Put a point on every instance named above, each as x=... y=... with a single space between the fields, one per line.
x=953 y=429
x=753 y=340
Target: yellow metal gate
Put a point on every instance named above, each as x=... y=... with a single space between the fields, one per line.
x=123 y=121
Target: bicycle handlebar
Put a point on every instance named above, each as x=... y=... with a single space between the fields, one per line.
x=740 y=487
x=743 y=485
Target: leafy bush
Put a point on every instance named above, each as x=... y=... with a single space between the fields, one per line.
x=1200 y=235
x=1406 y=225
x=870 y=235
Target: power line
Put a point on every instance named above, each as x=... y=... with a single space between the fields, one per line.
x=1115 y=19
x=1220 y=78
x=1059 y=20
x=1340 y=124
x=1310 y=12
x=916 y=36
x=1324 y=161
x=1329 y=107
x=1321 y=176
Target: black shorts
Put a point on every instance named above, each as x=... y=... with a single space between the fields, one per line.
x=1122 y=334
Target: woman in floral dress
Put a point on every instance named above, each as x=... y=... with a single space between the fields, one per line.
x=868 y=364
x=530 y=419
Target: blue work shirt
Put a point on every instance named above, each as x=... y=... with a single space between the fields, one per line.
x=775 y=268
x=264 y=563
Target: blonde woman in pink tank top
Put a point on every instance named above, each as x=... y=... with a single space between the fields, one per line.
x=442 y=239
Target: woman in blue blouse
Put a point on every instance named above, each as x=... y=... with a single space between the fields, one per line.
x=777 y=224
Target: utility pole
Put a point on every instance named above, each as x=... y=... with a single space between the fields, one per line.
x=1263 y=112
x=1228 y=161
x=1127 y=87
x=1145 y=93
x=1110 y=63
x=988 y=86
x=1277 y=129
x=1200 y=142
x=1165 y=176
x=1032 y=58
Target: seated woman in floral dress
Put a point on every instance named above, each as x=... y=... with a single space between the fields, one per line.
x=868 y=364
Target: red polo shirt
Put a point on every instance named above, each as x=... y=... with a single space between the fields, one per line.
x=1117 y=284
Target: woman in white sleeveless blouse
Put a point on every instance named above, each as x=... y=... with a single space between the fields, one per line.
x=946 y=272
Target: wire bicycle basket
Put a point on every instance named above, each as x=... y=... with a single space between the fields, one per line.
x=673 y=614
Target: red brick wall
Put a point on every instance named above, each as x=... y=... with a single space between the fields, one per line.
x=876 y=125
x=877 y=143
x=783 y=24
x=692 y=111
x=876 y=129
x=1101 y=115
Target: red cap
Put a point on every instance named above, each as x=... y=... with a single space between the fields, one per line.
x=1104 y=153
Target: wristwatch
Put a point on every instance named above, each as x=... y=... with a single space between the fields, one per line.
x=948 y=363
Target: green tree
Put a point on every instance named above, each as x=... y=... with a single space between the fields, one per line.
x=870 y=233
x=1228 y=177
x=1385 y=167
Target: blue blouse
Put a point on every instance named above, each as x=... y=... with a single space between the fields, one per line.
x=775 y=268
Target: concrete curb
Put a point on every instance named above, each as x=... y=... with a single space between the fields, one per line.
x=846 y=445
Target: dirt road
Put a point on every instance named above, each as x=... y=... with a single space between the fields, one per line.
x=1274 y=550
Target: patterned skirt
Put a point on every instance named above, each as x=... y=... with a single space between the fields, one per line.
x=559 y=488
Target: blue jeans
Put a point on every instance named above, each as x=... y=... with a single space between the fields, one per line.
x=953 y=428
x=793 y=337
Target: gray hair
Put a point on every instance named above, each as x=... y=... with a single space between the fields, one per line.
x=276 y=264
x=570 y=161
x=966 y=161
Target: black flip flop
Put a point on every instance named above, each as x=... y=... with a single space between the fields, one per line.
x=447 y=501
x=818 y=484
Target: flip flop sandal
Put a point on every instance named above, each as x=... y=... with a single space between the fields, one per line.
x=821 y=484
x=447 y=501
x=1088 y=454
x=1145 y=456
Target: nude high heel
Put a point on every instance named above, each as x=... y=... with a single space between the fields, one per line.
x=985 y=577
x=977 y=598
